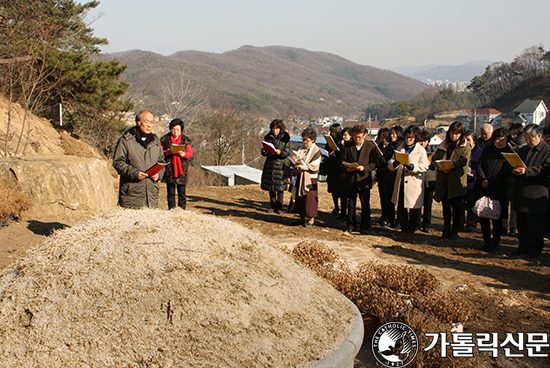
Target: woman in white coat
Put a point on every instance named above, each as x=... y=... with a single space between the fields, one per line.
x=408 y=192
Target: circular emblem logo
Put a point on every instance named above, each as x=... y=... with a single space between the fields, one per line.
x=395 y=345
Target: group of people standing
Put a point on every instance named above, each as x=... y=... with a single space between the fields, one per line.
x=140 y=150
x=460 y=171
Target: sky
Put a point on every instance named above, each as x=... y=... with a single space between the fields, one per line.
x=380 y=33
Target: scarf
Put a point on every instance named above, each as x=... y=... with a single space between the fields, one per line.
x=176 y=159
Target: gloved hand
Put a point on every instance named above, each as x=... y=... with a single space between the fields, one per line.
x=409 y=167
x=396 y=163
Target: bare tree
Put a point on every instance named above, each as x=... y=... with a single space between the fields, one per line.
x=183 y=98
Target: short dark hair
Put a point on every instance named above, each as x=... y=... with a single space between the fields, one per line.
x=384 y=133
x=309 y=133
x=359 y=128
x=425 y=135
x=348 y=130
x=337 y=129
x=516 y=128
x=474 y=136
x=533 y=128
x=398 y=129
x=456 y=126
x=414 y=130
x=500 y=132
x=175 y=122
x=278 y=123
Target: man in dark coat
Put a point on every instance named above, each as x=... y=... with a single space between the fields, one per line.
x=531 y=192
x=358 y=179
x=137 y=151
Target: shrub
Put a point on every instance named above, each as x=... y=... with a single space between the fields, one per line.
x=12 y=205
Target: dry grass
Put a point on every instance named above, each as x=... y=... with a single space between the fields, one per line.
x=13 y=204
x=152 y=288
x=393 y=294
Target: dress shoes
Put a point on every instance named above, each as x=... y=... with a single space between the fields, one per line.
x=519 y=252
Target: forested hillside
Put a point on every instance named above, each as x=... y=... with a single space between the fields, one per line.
x=272 y=80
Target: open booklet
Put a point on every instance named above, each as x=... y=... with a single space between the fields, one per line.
x=331 y=143
x=177 y=148
x=514 y=159
x=376 y=145
x=351 y=164
x=155 y=168
x=445 y=164
x=269 y=147
x=402 y=158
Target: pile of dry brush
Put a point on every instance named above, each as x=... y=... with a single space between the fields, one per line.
x=392 y=293
x=12 y=205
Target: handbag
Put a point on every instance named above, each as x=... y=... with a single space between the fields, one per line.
x=487 y=208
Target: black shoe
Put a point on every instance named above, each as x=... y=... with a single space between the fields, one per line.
x=365 y=232
x=297 y=223
x=512 y=232
x=307 y=224
x=519 y=252
x=445 y=234
x=453 y=236
x=395 y=225
x=486 y=247
x=493 y=248
x=335 y=211
x=384 y=223
x=341 y=217
x=381 y=220
x=426 y=230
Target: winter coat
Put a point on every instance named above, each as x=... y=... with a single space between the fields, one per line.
x=366 y=157
x=389 y=177
x=273 y=171
x=474 y=159
x=168 y=177
x=330 y=167
x=454 y=183
x=129 y=159
x=413 y=185
x=531 y=189
x=494 y=168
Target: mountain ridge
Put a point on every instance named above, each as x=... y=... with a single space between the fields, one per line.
x=273 y=80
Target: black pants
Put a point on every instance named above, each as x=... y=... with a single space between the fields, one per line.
x=171 y=193
x=388 y=208
x=530 y=228
x=408 y=218
x=427 y=214
x=364 y=198
x=451 y=211
x=486 y=230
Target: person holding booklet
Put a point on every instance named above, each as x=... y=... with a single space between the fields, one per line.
x=276 y=149
x=331 y=168
x=177 y=150
x=410 y=162
x=531 y=191
x=492 y=173
x=137 y=151
x=304 y=190
x=359 y=161
x=451 y=182
x=396 y=138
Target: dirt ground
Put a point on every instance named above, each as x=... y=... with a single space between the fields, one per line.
x=510 y=294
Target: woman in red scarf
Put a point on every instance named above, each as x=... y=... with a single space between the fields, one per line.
x=177 y=149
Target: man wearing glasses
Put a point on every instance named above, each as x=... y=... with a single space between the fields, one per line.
x=358 y=161
x=136 y=151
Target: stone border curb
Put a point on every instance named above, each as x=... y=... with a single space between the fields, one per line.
x=345 y=355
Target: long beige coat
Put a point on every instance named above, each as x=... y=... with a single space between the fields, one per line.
x=413 y=185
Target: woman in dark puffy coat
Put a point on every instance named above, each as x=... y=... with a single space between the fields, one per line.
x=273 y=171
x=492 y=176
x=177 y=149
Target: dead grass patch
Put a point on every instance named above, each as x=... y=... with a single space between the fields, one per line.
x=13 y=204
